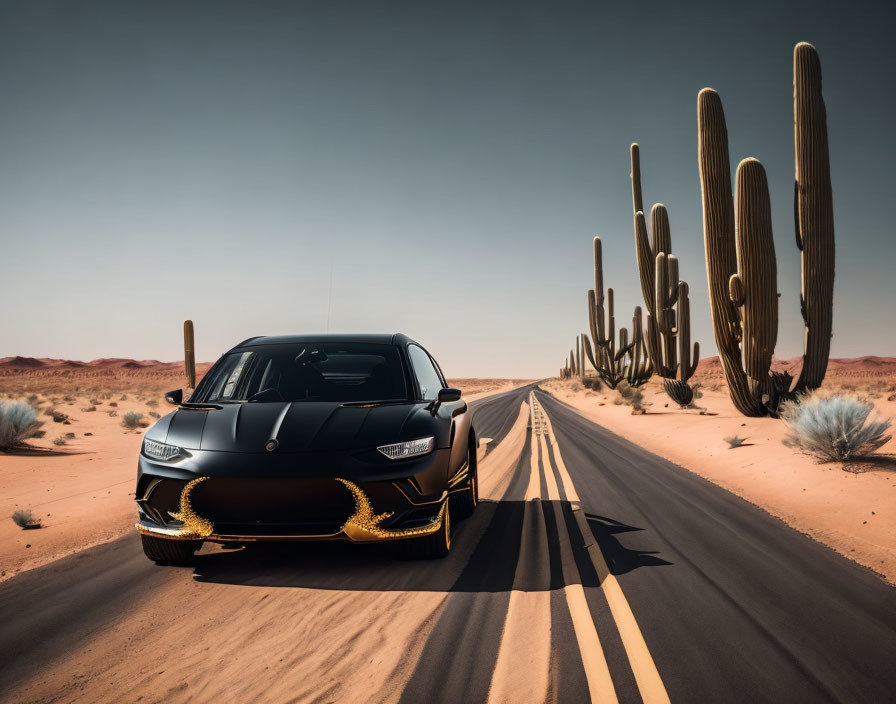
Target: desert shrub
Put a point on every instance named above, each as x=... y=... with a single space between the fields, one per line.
x=57 y=416
x=23 y=518
x=132 y=420
x=18 y=422
x=68 y=399
x=89 y=409
x=94 y=402
x=734 y=441
x=60 y=440
x=835 y=427
x=631 y=396
x=124 y=397
x=112 y=414
x=32 y=399
x=154 y=414
x=113 y=404
x=153 y=402
x=70 y=436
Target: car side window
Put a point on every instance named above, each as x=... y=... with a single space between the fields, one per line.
x=427 y=377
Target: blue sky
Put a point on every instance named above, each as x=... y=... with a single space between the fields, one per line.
x=264 y=167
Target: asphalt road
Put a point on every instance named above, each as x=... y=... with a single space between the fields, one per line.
x=597 y=570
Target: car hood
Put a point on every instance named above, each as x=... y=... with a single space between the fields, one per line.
x=297 y=426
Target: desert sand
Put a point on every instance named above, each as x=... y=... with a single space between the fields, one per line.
x=82 y=491
x=851 y=512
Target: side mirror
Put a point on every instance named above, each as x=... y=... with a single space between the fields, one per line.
x=449 y=395
x=176 y=397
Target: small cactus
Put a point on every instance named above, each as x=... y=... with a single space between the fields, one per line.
x=189 y=355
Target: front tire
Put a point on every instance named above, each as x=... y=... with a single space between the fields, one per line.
x=170 y=552
x=431 y=547
x=463 y=503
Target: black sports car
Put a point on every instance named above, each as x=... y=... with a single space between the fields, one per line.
x=326 y=437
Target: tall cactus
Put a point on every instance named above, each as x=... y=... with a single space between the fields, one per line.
x=754 y=288
x=666 y=298
x=630 y=360
x=814 y=214
x=741 y=267
x=189 y=354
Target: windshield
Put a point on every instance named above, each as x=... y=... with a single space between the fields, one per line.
x=325 y=371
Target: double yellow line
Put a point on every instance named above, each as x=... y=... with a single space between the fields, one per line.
x=523 y=664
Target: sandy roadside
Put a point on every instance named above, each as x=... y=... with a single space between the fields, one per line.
x=855 y=514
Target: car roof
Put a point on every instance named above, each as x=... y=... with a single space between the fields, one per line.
x=370 y=338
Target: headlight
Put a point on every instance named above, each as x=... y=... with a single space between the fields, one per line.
x=411 y=448
x=159 y=450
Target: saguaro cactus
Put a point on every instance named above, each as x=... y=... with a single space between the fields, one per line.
x=741 y=270
x=630 y=361
x=754 y=288
x=814 y=213
x=189 y=354
x=666 y=298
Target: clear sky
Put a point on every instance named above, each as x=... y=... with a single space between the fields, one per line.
x=435 y=169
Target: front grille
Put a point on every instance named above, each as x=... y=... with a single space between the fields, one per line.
x=273 y=506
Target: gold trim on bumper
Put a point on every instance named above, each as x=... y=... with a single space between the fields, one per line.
x=363 y=526
x=194 y=526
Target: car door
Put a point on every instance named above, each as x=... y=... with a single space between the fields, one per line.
x=429 y=382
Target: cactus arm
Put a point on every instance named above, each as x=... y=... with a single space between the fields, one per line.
x=589 y=353
x=672 y=280
x=646 y=261
x=661 y=235
x=598 y=272
x=695 y=360
x=637 y=200
x=653 y=345
x=814 y=209
x=611 y=325
x=684 y=331
x=660 y=291
x=736 y=290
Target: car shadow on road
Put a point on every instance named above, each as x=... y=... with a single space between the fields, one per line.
x=485 y=554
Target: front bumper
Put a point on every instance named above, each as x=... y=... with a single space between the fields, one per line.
x=225 y=510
